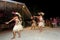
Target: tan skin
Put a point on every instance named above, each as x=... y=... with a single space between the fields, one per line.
x=33 y=26
x=40 y=28
x=14 y=32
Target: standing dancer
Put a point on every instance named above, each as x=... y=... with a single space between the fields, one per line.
x=40 y=20
x=18 y=24
x=33 y=23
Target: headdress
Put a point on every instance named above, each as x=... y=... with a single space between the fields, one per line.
x=41 y=13
x=16 y=13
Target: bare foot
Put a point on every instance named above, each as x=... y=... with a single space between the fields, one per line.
x=19 y=36
x=13 y=38
x=40 y=30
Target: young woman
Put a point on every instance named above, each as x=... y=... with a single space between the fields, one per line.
x=33 y=23
x=40 y=20
x=18 y=24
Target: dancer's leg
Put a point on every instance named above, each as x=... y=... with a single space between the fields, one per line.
x=14 y=34
x=40 y=28
x=19 y=32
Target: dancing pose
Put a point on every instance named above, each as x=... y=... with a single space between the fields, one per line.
x=18 y=24
x=33 y=23
x=40 y=20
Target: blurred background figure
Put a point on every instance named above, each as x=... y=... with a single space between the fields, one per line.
x=41 y=23
x=33 y=23
x=40 y=20
x=54 y=22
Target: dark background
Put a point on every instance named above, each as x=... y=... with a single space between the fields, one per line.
x=49 y=7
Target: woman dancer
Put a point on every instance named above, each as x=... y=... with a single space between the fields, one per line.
x=18 y=24
x=40 y=20
x=33 y=23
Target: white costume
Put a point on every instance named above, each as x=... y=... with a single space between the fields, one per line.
x=18 y=26
x=41 y=23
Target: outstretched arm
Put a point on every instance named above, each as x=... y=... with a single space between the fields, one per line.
x=10 y=21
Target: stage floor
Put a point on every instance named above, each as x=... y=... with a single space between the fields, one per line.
x=26 y=34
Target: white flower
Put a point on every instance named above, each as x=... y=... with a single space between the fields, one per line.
x=40 y=13
x=18 y=14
